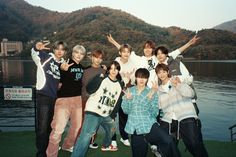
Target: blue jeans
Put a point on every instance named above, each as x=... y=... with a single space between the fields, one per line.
x=90 y=125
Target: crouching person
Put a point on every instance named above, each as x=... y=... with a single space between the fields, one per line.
x=100 y=104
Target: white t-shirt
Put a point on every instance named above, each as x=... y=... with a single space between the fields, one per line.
x=127 y=70
x=150 y=64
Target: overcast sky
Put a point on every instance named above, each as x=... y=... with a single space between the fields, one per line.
x=189 y=14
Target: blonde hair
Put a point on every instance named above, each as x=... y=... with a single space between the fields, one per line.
x=79 y=48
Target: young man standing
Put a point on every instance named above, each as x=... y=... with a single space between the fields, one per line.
x=127 y=70
x=179 y=115
x=89 y=73
x=48 y=77
x=68 y=105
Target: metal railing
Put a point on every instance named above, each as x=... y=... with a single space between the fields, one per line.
x=232 y=133
x=10 y=103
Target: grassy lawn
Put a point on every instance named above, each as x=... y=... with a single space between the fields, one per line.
x=22 y=144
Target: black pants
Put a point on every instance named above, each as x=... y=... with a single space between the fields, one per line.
x=156 y=136
x=122 y=122
x=44 y=115
x=190 y=132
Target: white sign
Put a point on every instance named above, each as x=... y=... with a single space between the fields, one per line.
x=17 y=93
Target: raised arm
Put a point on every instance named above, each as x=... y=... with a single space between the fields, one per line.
x=113 y=41
x=189 y=43
x=180 y=50
x=37 y=49
x=41 y=46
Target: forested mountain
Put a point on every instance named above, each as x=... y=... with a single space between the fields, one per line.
x=22 y=21
x=229 y=26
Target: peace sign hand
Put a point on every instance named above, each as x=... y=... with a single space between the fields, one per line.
x=110 y=38
x=154 y=86
x=128 y=95
x=153 y=89
x=65 y=65
x=42 y=46
x=194 y=40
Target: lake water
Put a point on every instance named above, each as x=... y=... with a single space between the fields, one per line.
x=215 y=83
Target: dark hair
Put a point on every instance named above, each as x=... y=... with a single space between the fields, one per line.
x=123 y=46
x=142 y=73
x=117 y=65
x=163 y=67
x=149 y=43
x=97 y=53
x=163 y=49
x=58 y=43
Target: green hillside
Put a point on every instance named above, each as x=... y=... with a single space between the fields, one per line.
x=22 y=21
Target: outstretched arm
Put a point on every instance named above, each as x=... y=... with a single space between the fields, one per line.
x=180 y=50
x=189 y=43
x=112 y=40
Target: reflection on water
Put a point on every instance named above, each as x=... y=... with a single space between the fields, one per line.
x=17 y=72
x=217 y=103
x=221 y=71
x=215 y=83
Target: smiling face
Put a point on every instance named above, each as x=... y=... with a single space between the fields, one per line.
x=78 y=56
x=96 y=61
x=147 y=50
x=59 y=51
x=161 y=57
x=163 y=75
x=113 y=72
x=124 y=54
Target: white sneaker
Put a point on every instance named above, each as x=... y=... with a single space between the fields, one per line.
x=93 y=145
x=110 y=148
x=68 y=149
x=153 y=148
x=155 y=151
x=125 y=142
x=113 y=143
x=157 y=154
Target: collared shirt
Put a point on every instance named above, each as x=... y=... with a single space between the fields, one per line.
x=141 y=110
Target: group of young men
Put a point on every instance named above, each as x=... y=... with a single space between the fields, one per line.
x=92 y=96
